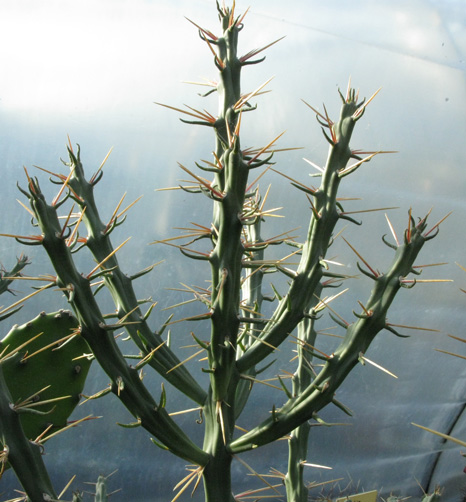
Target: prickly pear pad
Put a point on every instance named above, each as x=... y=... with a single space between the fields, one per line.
x=59 y=367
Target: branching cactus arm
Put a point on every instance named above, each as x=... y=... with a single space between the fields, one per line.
x=126 y=381
x=325 y=214
x=350 y=352
x=296 y=488
x=252 y=297
x=6 y=276
x=120 y=285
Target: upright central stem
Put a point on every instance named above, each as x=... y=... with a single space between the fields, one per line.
x=219 y=426
x=226 y=269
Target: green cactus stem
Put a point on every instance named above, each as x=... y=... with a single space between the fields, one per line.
x=325 y=215
x=252 y=300
x=120 y=285
x=355 y=343
x=6 y=278
x=126 y=381
x=24 y=456
x=298 y=443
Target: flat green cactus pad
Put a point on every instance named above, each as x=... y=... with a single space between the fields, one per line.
x=60 y=367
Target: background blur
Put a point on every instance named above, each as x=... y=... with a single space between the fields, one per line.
x=92 y=70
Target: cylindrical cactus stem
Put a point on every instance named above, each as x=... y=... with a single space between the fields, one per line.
x=354 y=345
x=228 y=193
x=24 y=456
x=219 y=424
x=296 y=488
x=325 y=214
x=126 y=381
x=21 y=262
x=121 y=288
x=225 y=260
x=252 y=299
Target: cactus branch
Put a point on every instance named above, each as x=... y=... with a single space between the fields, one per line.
x=120 y=285
x=357 y=339
x=23 y=455
x=126 y=383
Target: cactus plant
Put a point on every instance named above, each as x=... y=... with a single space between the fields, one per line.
x=6 y=277
x=58 y=372
x=17 y=450
x=241 y=339
x=42 y=375
x=23 y=455
x=101 y=491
